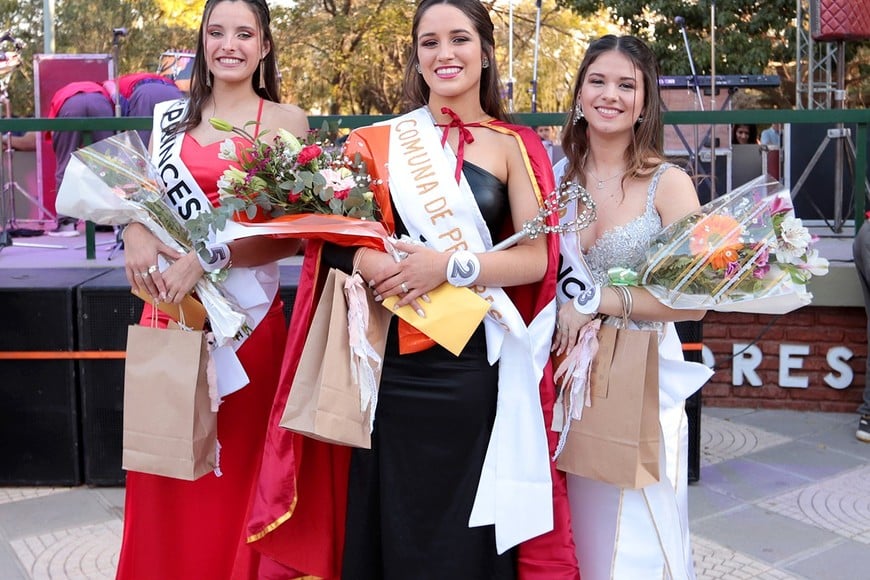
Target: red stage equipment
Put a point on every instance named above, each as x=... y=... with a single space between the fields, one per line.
x=835 y=20
x=50 y=73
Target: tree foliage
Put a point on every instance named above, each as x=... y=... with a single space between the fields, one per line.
x=751 y=37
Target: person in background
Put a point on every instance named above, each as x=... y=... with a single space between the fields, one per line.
x=74 y=100
x=196 y=529
x=20 y=142
x=613 y=139
x=861 y=254
x=772 y=136
x=433 y=498
x=140 y=93
x=744 y=134
x=554 y=151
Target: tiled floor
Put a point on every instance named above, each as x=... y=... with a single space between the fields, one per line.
x=783 y=495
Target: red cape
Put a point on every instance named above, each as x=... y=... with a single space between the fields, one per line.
x=298 y=512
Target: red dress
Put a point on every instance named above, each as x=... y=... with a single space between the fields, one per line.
x=175 y=529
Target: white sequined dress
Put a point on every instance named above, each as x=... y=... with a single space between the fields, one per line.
x=627 y=534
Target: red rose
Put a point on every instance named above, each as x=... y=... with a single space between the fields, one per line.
x=293 y=197
x=308 y=154
x=341 y=194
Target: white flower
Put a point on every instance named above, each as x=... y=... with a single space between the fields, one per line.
x=793 y=241
x=229 y=181
x=815 y=265
x=228 y=150
x=292 y=144
x=338 y=180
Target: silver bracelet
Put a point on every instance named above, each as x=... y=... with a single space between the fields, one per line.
x=463 y=268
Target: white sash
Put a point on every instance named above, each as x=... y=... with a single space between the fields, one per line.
x=515 y=488
x=574 y=274
x=251 y=289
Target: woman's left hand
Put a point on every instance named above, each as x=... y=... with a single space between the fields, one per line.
x=422 y=270
x=181 y=277
x=569 y=322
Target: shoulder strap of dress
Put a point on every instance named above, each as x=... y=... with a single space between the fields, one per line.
x=654 y=184
x=259 y=115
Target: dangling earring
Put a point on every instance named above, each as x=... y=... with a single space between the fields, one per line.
x=208 y=78
x=419 y=68
x=578 y=114
x=262 y=74
x=485 y=62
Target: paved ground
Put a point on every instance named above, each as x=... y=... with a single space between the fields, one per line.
x=782 y=495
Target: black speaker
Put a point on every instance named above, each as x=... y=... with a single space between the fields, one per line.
x=691 y=332
x=39 y=415
x=289 y=285
x=106 y=309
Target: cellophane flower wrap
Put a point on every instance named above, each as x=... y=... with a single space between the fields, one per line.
x=742 y=252
x=113 y=182
x=286 y=176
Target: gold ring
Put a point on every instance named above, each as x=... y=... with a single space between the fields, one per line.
x=404 y=288
x=152 y=268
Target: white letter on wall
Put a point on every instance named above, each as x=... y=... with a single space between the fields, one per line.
x=789 y=359
x=837 y=357
x=744 y=363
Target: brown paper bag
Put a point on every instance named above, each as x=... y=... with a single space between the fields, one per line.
x=169 y=428
x=324 y=401
x=617 y=440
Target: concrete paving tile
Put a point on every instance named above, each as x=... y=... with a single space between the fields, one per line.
x=793 y=423
x=87 y=552
x=842 y=438
x=75 y=507
x=749 y=480
x=844 y=561
x=762 y=534
x=723 y=439
x=714 y=561
x=840 y=505
x=10 y=566
x=704 y=502
x=725 y=413
x=12 y=494
x=806 y=458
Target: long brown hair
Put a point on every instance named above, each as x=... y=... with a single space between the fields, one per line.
x=415 y=88
x=199 y=83
x=644 y=153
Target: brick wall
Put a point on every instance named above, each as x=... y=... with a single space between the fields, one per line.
x=823 y=346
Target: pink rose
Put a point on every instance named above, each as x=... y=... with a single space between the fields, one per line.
x=341 y=194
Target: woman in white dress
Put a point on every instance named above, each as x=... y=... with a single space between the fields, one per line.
x=612 y=146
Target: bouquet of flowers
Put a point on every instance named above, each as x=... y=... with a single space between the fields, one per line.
x=743 y=252
x=113 y=182
x=288 y=177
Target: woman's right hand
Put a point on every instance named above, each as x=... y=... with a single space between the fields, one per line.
x=141 y=249
x=569 y=322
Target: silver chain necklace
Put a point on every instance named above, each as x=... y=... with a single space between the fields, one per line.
x=599 y=183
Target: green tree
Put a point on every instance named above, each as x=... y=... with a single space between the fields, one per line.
x=755 y=37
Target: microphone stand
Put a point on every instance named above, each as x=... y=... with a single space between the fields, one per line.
x=713 y=97
x=117 y=34
x=534 y=90
x=699 y=99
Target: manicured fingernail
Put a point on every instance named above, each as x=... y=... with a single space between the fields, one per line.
x=378 y=298
x=425 y=298
x=371 y=283
x=421 y=313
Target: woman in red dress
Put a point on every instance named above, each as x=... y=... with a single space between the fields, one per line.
x=195 y=529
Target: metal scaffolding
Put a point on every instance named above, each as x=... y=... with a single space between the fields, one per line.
x=816 y=61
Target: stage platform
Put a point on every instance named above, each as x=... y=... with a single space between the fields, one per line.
x=63 y=336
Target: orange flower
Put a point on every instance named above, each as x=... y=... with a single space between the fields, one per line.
x=719 y=234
